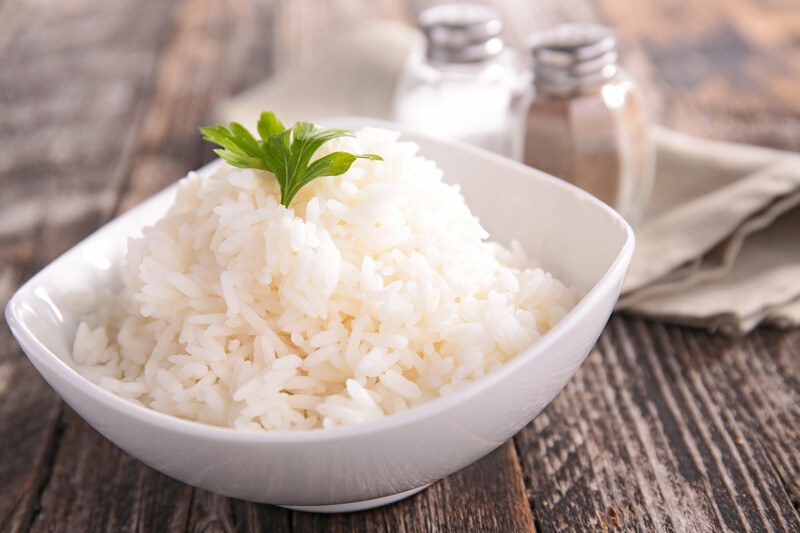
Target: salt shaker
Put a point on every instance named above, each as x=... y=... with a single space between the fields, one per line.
x=587 y=122
x=460 y=85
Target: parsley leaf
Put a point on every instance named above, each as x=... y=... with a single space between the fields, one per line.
x=285 y=152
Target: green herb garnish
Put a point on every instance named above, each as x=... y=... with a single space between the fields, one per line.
x=286 y=152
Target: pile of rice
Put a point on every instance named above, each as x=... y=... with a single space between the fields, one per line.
x=374 y=292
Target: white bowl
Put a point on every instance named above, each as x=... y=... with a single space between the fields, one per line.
x=567 y=231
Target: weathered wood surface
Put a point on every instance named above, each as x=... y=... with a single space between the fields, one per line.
x=663 y=428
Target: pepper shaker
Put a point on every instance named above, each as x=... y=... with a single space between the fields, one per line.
x=587 y=122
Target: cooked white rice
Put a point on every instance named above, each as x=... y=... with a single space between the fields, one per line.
x=375 y=292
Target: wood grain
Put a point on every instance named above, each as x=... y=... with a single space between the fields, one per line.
x=663 y=428
x=653 y=433
x=64 y=107
x=724 y=69
x=451 y=505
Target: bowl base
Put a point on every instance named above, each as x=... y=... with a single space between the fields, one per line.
x=350 y=507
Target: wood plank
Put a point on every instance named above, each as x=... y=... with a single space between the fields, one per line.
x=724 y=69
x=253 y=517
x=64 y=111
x=95 y=486
x=29 y=433
x=653 y=433
x=749 y=393
x=486 y=496
x=210 y=512
x=201 y=64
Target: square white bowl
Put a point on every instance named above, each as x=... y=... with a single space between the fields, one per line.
x=568 y=232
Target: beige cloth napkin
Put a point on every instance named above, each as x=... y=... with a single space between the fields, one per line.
x=719 y=246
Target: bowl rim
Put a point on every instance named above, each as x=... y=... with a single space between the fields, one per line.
x=35 y=349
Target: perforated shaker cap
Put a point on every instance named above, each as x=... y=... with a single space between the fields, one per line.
x=461 y=33
x=574 y=56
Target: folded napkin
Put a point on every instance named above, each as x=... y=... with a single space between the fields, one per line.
x=719 y=246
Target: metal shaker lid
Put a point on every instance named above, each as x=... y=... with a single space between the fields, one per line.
x=571 y=57
x=461 y=33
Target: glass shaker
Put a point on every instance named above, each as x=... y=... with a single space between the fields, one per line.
x=460 y=85
x=587 y=122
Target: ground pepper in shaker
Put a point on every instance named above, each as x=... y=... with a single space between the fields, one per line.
x=461 y=83
x=587 y=122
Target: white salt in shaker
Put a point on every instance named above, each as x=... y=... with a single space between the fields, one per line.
x=461 y=84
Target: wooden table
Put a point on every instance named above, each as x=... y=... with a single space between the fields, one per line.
x=663 y=428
